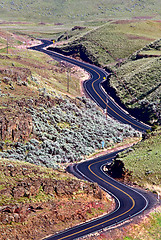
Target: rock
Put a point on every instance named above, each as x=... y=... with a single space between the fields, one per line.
x=18 y=192
x=48 y=189
x=10 y=218
x=16 y=217
x=33 y=191
x=16 y=127
x=27 y=193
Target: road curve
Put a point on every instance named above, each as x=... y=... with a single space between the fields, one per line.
x=129 y=202
x=94 y=90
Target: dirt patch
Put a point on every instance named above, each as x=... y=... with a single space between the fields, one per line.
x=132 y=37
x=143 y=17
x=126 y=21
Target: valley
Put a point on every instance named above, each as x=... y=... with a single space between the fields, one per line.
x=47 y=122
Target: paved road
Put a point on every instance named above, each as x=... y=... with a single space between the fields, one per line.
x=129 y=202
x=94 y=89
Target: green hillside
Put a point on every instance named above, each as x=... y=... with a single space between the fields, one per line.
x=45 y=123
x=112 y=41
x=143 y=161
x=129 y=50
x=74 y=10
x=138 y=85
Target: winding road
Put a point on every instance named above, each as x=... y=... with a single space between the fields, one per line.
x=129 y=202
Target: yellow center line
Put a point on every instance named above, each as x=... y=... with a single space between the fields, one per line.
x=89 y=167
x=108 y=105
x=103 y=99
x=96 y=225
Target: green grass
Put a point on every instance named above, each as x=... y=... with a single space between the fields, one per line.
x=140 y=29
x=115 y=40
x=148 y=230
x=144 y=161
x=137 y=80
x=68 y=11
x=48 y=73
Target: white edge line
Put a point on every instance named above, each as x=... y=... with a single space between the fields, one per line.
x=130 y=189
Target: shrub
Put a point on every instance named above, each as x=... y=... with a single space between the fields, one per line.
x=66 y=132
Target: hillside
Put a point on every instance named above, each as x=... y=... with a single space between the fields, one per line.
x=114 y=41
x=141 y=167
x=137 y=82
x=24 y=69
x=41 y=126
x=52 y=200
x=43 y=123
x=143 y=162
x=73 y=10
x=129 y=50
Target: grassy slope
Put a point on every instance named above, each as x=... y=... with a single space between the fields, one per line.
x=147 y=228
x=139 y=77
x=116 y=40
x=60 y=11
x=144 y=161
x=45 y=72
x=137 y=83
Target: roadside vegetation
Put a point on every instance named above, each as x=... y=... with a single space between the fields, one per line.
x=58 y=129
x=137 y=83
x=143 y=162
x=113 y=41
x=146 y=228
x=65 y=132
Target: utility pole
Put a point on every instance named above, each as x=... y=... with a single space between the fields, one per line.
x=106 y=106
x=7 y=44
x=68 y=78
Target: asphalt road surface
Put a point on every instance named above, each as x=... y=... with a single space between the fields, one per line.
x=129 y=202
x=94 y=90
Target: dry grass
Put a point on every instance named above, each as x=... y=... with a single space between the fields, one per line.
x=45 y=73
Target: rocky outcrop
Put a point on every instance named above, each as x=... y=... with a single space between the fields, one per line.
x=15 y=127
x=67 y=199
